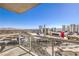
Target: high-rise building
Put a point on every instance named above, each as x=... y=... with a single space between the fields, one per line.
x=64 y=28
x=53 y=29
x=47 y=31
x=43 y=30
x=73 y=28
x=68 y=28
x=78 y=28
x=40 y=29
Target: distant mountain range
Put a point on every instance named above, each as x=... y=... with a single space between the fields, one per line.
x=15 y=29
x=10 y=29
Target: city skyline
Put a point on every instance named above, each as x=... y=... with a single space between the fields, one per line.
x=53 y=15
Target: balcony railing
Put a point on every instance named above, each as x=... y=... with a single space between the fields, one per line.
x=51 y=46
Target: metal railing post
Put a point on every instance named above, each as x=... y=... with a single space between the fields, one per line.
x=53 y=44
x=19 y=40
x=30 y=42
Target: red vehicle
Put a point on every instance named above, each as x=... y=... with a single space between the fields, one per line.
x=62 y=34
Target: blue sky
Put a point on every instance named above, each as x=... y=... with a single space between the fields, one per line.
x=51 y=14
